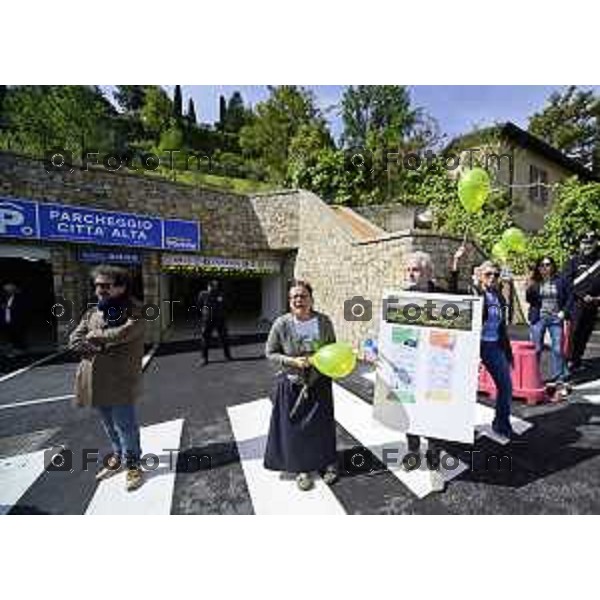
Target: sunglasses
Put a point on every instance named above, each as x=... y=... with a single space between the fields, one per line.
x=101 y=284
x=546 y=264
x=300 y=296
x=491 y=274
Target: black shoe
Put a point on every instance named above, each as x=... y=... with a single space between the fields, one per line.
x=414 y=444
x=433 y=458
x=503 y=430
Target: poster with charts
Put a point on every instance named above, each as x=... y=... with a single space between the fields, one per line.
x=428 y=362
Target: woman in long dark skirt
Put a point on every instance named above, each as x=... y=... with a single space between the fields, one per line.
x=302 y=430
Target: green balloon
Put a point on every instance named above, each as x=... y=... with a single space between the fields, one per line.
x=500 y=251
x=335 y=360
x=515 y=240
x=473 y=189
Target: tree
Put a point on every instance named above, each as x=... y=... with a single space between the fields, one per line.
x=570 y=122
x=157 y=111
x=278 y=119
x=380 y=128
x=177 y=103
x=236 y=114
x=381 y=111
x=130 y=97
x=191 y=112
x=222 y=112
x=74 y=117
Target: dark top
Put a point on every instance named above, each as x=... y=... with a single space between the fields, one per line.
x=588 y=285
x=534 y=298
x=503 y=337
x=214 y=301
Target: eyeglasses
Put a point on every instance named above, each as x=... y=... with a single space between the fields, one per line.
x=301 y=296
x=491 y=274
x=102 y=284
x=546 y=263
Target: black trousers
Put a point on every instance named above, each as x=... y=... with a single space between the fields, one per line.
x=207 y=329
x=584 y=318
x=15 y=334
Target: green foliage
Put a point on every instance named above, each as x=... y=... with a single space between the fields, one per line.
x=575 y=211
x=130 y=97
x=74 y=117
x=177 y=103
x=278 y=120
x=379 y=113
x=191 y=113
x=570 y=122
x=156 y=111
x=440 y=191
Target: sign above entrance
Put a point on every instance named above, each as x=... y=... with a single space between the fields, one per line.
x=109 y=256
x=215 y=262
x=59 y=222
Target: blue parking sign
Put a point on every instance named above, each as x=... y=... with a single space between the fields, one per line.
x=18 y=218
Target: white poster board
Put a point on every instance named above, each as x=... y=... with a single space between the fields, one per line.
x=428 y=362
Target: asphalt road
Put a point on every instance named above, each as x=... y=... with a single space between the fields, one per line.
x=555 y=463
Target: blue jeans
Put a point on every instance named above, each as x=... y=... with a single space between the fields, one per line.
x=495 y=361
x=122 y=428
x=557 y=360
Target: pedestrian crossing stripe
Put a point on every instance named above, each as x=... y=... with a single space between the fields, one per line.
x=356 y=417
x=17 y=475
x=484 y=415
x=269 y=494
x=155 y=495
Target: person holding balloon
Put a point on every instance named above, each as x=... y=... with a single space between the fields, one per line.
x=302 y=435
x=474 y=188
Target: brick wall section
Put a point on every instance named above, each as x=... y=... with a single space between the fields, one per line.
x=341 y=268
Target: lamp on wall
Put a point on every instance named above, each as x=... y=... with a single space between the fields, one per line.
x=423 y=218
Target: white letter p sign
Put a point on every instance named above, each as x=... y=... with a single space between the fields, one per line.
x=10 y=216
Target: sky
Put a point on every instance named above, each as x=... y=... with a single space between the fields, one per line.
x=457 y=108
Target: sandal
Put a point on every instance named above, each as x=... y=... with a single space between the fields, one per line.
x=304 y=481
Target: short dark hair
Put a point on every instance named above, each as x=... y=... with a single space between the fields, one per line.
x=301 y=283
x=118 y=275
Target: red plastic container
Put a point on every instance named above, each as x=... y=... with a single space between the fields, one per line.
x=526 y=377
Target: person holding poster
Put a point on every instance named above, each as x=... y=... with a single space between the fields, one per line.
x=419 y=277
x=302 y=430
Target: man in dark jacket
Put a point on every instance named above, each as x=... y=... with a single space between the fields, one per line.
x=13 y=318
x=583 y=274
x=211 y=308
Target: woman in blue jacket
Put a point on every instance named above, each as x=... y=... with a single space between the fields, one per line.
x=548 y=295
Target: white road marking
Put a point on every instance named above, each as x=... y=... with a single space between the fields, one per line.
x=37 y=401
x=269 y=494
x=145 y=361
x=389 y=445
x=37 y=363
x=595 y=399
x=370 y=376
x=155 y=495
x=484 y=417
x=17 y=475
x=148 y=357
